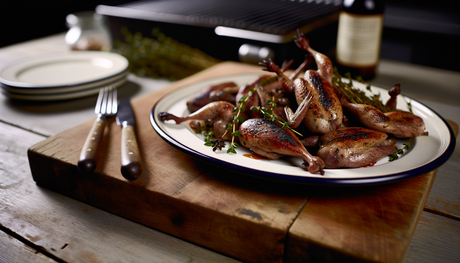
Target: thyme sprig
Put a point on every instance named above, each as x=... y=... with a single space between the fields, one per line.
x=399 y=152
x=159 y=56
x=219 y=143
x=356 y=95
x=409 y=105
x=268 y=115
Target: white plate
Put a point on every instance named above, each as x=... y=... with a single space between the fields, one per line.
x=65 y=95
x=59 y=71
x=31 y=92
x=426 y=154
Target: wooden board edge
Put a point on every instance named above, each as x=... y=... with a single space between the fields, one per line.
x=431 y=175
x=299 y=248
x=454 y=127
x=236 y=237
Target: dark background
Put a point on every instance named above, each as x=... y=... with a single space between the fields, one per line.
x=23 y=20
x=421 y=32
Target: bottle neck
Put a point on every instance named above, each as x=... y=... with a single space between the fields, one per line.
x=364 y=7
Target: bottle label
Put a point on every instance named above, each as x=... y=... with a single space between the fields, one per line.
x=358 y=39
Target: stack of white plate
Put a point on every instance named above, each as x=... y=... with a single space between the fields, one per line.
x=62 y=76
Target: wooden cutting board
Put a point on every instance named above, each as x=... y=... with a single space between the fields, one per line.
x=246 y=218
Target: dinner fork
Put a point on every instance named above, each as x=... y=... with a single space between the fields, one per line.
x=106 y=106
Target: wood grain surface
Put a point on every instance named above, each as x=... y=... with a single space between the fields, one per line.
x=439 y=230
x=243 y=217
x=445 y=198
x=38 y=225
x=369 y=224
x=14 y=250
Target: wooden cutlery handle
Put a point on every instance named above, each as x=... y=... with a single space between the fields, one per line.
x=87 y=162
x=131 y=165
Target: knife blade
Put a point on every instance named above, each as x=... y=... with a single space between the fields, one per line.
x=131 y=164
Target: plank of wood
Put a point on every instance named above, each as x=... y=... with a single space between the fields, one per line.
x=188 y=199
x=14 y=164
x=14 y=250
x=454 y=127
x=46 y=222
x=436 y=239
x=444 y=197
x=372 y=224
x=175 y=193
x=363 y=233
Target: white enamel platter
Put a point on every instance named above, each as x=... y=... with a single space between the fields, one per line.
x=62 y=72
x=426 y=153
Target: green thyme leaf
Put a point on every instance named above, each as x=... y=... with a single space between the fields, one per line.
x=409 y=106
x=236 y=133
x=399 y=152
x=231 y=150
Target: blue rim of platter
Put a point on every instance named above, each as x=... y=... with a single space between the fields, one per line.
x=446 y=149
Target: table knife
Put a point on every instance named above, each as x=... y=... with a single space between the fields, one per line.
x=131 y=165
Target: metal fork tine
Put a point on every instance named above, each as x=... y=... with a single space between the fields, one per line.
x=112 y=103
x=107 y=103
x=114 y=100
x=104 y=101
x=100 y=97
x=108 y=108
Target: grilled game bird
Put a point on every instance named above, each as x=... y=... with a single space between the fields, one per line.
x=324 y=113
x=352 y=147
x=267 y=139
x=324 y=64
x=221 y=92
x=220 y=112
x=401 y=124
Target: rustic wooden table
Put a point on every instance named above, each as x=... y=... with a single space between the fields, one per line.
x=38 y=224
